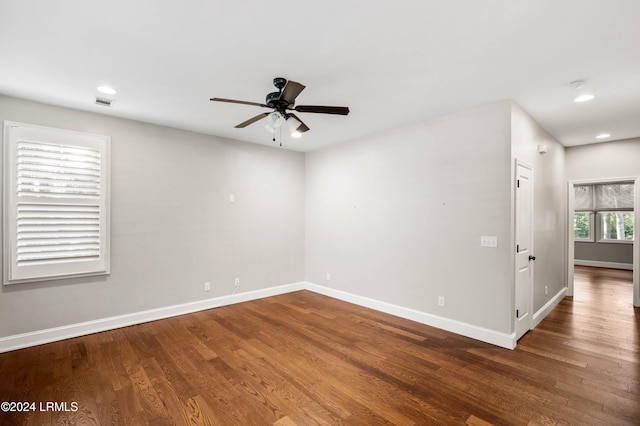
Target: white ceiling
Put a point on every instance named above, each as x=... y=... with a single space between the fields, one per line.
x=393 y=63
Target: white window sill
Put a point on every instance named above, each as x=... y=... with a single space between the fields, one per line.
x=616 y=241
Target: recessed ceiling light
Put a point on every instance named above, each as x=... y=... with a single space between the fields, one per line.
x=296 y=134
x=584 y=98
x=107 y=90
x=603 y=136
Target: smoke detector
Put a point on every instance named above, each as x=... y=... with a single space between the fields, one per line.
x=577 y=84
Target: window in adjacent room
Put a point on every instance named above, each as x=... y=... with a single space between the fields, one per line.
x=606 y=208
x=582 y=225
x=56 y=203
x=614 y=204
x=583 y=216
x=616 y=226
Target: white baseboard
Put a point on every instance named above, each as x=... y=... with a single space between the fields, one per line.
x=548 y=307
x=483 y=334
x=40 y=337
x=599 y=264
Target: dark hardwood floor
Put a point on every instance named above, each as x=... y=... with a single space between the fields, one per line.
x=305 y=359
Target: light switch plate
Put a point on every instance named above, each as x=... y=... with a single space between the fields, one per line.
x=488 y=241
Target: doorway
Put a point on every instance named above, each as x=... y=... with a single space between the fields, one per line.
x=636 y=226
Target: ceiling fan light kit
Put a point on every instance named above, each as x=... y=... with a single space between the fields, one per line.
x=282 y=102
x=295 y=126
x=275 y=120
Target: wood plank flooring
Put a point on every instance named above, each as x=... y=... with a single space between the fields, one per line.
x=305 y=359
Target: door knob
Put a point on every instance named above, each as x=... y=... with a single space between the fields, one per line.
x=532 y=258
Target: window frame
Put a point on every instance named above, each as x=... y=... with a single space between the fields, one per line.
x=15 y=271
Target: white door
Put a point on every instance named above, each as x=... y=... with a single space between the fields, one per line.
x=524 y=249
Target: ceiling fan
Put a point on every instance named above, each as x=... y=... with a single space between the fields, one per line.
x=282 y=102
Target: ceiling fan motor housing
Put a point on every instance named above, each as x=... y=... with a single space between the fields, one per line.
x=273 y=101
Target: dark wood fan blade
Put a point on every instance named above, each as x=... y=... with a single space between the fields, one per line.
x=252 y=120
x=233 y=101
x=291 y=91
x=323 y=109
x=302 y=127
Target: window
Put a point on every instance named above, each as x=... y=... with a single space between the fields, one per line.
x=56 y=203
x=584 y=207
x=582 y=226
x=616 y=226
x=612 y=206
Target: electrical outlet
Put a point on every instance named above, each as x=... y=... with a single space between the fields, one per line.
x=236 y=282
x=328 y=276
x=232 y=198
x=207 y=286
x=440 y=300
x=546 y=290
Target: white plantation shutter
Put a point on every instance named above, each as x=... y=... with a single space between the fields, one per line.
x=56 y=202
x=50 y=233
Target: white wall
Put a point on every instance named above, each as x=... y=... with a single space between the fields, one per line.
x=550 y=202
x=397 y=217
x=604 y=160
x=173 y=227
